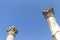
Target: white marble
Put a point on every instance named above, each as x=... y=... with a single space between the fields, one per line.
x=10 y=37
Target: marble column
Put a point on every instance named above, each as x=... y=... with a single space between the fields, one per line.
x=11 y=32
x=52 y=23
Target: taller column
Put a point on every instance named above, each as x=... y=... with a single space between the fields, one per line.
x=54 y=27
x=11 y=32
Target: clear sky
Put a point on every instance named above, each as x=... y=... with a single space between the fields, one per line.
x=27 y=16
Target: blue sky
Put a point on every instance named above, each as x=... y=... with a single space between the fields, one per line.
x=27 y=16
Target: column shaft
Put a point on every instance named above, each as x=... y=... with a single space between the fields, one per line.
x=10 y=37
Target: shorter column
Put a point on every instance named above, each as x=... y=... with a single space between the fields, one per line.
x=11 y=32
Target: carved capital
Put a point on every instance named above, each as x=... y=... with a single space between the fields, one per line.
x=12 y=30
x=48 y=12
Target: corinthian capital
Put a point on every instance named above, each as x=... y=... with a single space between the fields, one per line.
x=12 y=30
x=48 y=13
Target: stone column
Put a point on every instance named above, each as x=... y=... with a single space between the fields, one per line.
x=11 y=32
x=53 y=25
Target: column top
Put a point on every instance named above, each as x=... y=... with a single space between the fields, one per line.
x=48 y=12
x=12 y=30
